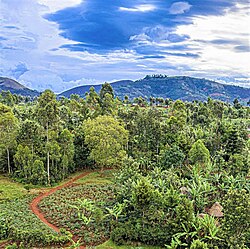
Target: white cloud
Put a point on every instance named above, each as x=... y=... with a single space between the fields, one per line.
x=35 y=43
x=139 y=8
x=55 y=5
x=179 y=8
x=219 y=58
x=41 y=80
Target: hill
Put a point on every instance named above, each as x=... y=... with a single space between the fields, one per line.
x=177 y=87
x=13 y=86
x=81 y=90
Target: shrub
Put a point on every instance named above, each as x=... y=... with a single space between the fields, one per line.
x=197 y=244
x=236 y=224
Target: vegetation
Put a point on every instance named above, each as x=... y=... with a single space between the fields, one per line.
x=82 y=209
x=181 y=179
x=111 y=245
x=20 y=224
x=10 y=190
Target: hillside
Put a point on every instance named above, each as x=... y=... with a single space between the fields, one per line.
x=178 y=87
x=13 y=86
x=81 y=90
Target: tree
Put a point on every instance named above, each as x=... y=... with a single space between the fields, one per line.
x=81 y=149
x=237 y=104
x=30 y=134
x=106 y=88
x=238 y=164
x=47 y=114
x=38 y=173
x=67 y=150
x=23 y=161
x=8 y=131
x=236 y=223
x=107 y=104
x=106 y=137
x=179 y=111
x=235 y=140
x=199 y=153
x=144 y=194
x=172 y=156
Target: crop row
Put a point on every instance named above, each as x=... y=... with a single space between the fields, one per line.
x=18 y=223
x=64 y=208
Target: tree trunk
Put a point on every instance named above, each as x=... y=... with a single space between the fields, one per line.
x=32 y=151
x=48 y=173
x=8 y=158
x=48 y=170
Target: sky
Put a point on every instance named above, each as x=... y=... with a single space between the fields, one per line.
x=60 y=44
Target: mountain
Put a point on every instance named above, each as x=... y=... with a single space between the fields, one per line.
x=177 y=87
x=81 y=90
x=13 y=86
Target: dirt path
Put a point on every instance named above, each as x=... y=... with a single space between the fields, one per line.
x=35 y=202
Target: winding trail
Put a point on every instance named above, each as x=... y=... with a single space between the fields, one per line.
x=34 y=204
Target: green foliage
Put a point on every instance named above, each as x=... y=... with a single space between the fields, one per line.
x=238 y=165
x=171 y=156
x=8 y=131
x=199 y=153
x=236 y=223
x=106 y=138
x=23 y=226
x=157 y=198
x=111 y=245
x=10 y=190
x=81 y=209
x=144 y=194
x=197 y=244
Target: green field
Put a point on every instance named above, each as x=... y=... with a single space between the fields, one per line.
x=110 y=245
x=105 y=177
x=10 y=189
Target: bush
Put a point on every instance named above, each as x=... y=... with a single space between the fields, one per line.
x=172 y=156
x=236 y=223
x=197 y=244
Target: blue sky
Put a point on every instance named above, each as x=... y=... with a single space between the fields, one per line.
x=60 y=44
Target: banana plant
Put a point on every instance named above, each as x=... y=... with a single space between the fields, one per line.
x=82 y=207
x=175 y=243
x=117 y=210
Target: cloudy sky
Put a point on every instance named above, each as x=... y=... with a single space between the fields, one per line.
x=59 y=44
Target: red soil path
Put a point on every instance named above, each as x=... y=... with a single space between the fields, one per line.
x=34 y=204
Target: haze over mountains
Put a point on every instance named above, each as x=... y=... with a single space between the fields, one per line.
x=177 y=87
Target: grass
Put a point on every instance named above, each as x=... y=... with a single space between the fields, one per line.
x=110 y=245
x=105 y=177
x=10 y=190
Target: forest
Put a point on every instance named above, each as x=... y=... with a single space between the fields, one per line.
x=145 y=173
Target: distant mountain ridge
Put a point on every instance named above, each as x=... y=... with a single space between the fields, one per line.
x=176 y=87
x=7 y=84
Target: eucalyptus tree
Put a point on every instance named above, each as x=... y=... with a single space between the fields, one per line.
x=67 y=150
x=47 y=114
x=8 y=131
x=30 y=134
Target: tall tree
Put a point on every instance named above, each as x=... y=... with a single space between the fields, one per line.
x=106 y=88
x=47 y=113
x=67 y=150
x=8 y=130
x=30 y=133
